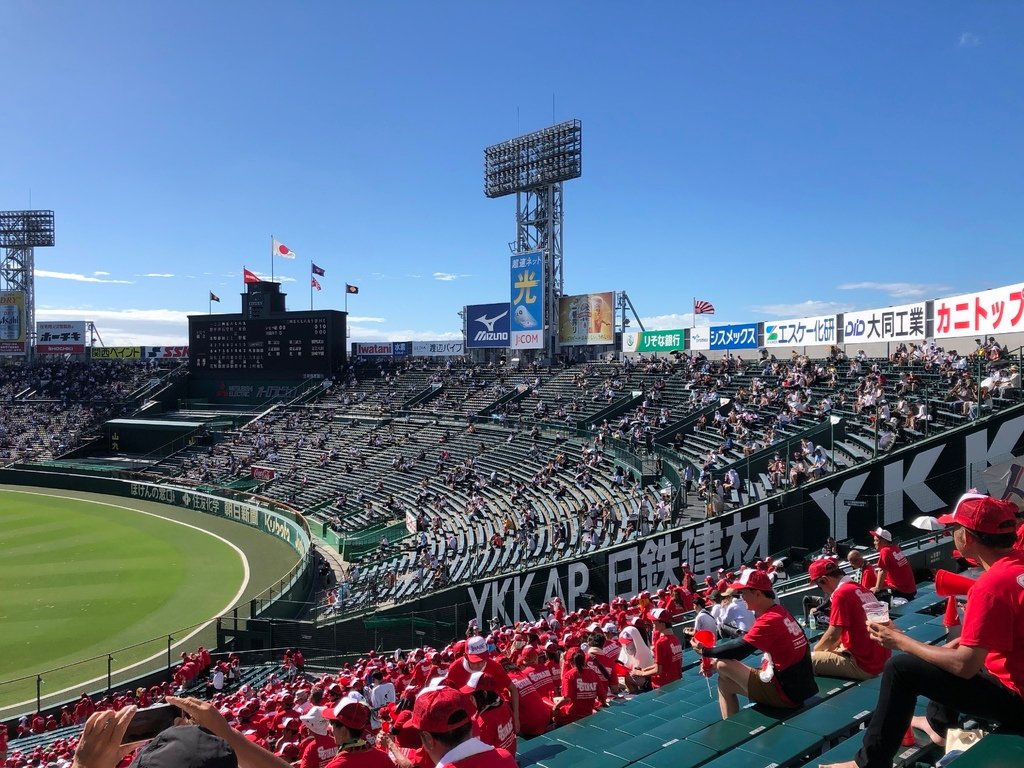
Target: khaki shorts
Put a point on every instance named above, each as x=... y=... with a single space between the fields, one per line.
x=768 y=693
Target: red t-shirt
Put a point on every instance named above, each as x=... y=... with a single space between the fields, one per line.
x=582 y=692
x=898 y=573
x=868 y=576
x=318 y=750
x=994 y=620
x=534 y=713
x=668 y=653
x=496 y=727
x=1019 y=544
x=361 y=757
x=848 y=604
x=492 y=758
x=544 y=678
x=776 y=632
x=459 y=674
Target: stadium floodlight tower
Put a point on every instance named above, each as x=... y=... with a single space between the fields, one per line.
x=534 y=167
x=21 y=232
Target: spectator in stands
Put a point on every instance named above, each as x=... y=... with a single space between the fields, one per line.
x=443 y=718
x=894 y=575
x=493 y=717
x=845 y=649
x=213 y=744
x=321 y=747
x=668 y=651
x=786 y=678
x=478 y=660
x=637 y=659
x=982 y=673
x=349 y=721
x=864 y=572
x=583 y=690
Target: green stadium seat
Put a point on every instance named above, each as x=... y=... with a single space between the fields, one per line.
x=721 y=736
x=828 y=721
x=678 y=754
x=590 y=739
x=843 y=751
x=996 y=750
x=677 y=728
x=636 y=748
x=738 y=758
x=830 y=686
x=785 y=745
x=707 y=713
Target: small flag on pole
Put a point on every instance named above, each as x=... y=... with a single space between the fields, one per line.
x=250 y=277
x=317 y=270
x=214 y=297
x=282 y=250
x=701 y=307
x=315 y=284
x=351 y=288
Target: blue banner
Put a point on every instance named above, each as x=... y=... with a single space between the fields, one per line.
x=742 y=336
x=487 y=326
x=526 y=308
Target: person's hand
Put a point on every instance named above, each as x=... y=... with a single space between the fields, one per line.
x=885 y=635
x=697 y=645
x=203 y=714
x=954 y=643
x=100 y=743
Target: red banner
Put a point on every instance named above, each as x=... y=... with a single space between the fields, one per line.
x=263 y=473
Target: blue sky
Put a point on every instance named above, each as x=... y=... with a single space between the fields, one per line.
x=776 y=159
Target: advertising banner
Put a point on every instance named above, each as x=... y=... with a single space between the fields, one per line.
x=699 y=338
x=262 y=473
x=526 y=307
x=60 y=337
x=12 y=323
x=999 y=310
x=734 y=336
x=487 y=326
x=401 y=348
x=653 y=341
x=115 y=353
x=374 y=349
x=903 y=323
x=800 y=332
x=586 y=319
x=438 y=349
x=165 y=353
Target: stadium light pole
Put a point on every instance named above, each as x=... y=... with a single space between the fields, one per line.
x=110 y=667
x=533 y=167
x=39 y=693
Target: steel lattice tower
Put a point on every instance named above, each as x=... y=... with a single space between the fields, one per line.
x=21 y=232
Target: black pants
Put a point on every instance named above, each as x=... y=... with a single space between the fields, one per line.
x=906 y=677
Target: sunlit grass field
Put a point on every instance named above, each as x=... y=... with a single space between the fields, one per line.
x=80 y=579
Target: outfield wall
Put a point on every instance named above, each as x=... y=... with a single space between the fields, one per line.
x=287 y=526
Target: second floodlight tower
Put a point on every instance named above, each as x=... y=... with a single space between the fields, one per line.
x=534 y=167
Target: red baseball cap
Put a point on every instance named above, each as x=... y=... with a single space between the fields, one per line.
x=480 y=681
x=476 y=649
x=752 y=579
x=983 y=514
x=351 y=714
x=821 y=567
x=441 y=710
x=660 y=614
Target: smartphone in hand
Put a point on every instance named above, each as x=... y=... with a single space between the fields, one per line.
x=148 y=722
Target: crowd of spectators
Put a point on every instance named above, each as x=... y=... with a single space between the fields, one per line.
x=50 y=408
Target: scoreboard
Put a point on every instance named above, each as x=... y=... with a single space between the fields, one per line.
x=285 y=343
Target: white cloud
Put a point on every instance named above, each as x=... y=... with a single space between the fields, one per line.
x=101 y=274
x=666 y=322
x=79 y=278
x=129 y=327
x=358 y=319
x=374 y=334
x=898 y=290
x=156 y=274
x=969 y=40
x=447 y=277
x=802 y=309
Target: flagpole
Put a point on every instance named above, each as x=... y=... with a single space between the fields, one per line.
x=271 y=258
x=311 y=289
x=210 y=302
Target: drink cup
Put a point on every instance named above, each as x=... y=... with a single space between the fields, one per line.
x=877 y=613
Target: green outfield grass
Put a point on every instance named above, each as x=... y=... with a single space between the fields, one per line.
x=81 y=579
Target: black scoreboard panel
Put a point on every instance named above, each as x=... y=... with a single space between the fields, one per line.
x=289 y=343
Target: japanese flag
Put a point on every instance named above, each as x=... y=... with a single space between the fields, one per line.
x=282 y=250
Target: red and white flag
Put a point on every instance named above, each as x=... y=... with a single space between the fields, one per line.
x=701 y=307
x=250 y=277
x=282 y=250
x=316 y=283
